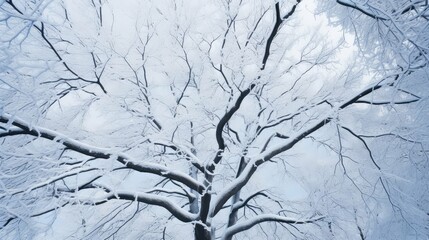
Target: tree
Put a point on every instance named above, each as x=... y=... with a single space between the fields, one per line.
x=222 y=119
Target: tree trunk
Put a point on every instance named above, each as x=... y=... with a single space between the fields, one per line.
x=235 y=199
x=202 y=232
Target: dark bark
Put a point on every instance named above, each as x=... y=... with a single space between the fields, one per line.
x=202 y=232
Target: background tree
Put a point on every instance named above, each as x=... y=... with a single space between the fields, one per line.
x=218 y=119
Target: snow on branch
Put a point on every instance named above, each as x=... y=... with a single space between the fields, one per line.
x=365 y=9
x=147 y=198
x=104 y=153
x=194 y=160
x=268 y=154
x=52 y=180
x=388 y=102
x=245 y=225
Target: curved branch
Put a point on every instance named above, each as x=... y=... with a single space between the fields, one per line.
x=183 y=150
x=103 y=153
x=228 y=115
x=242 y=203
x=265 y=156
x=364 y=143
x=9 y=220
x=388 y=102
x=224 y=120
x=171 y=192
x=150 y=199
x=53 y=179
x=365 y=10
x=245 y=225
x=12 y=132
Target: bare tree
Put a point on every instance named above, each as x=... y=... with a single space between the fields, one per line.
x=223 y=119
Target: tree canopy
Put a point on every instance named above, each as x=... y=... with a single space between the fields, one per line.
x=219 y=119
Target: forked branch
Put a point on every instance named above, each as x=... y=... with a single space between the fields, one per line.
x=245 y=225
x=103 y=153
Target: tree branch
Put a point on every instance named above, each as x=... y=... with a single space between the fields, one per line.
x=183 y=150
x=387 y=102
x=53 y=179
x=151 y=199
x=103 y=153
x=41 y=29
x=364 y=143
x=365 y=10
x=265 y=156
x=245 y=225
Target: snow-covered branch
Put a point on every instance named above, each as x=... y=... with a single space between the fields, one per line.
x=196 y=97
x=269 y=153
x=194 y=160
x=247 y=224
x=104 y=153
x=147 y=198
x=52 y=180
